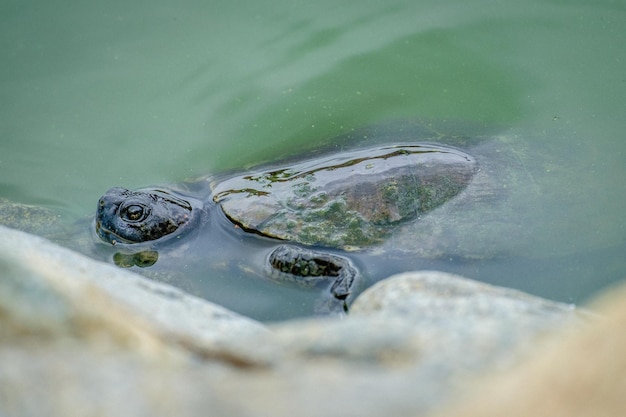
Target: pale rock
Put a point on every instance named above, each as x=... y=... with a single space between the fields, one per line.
x=80 y=337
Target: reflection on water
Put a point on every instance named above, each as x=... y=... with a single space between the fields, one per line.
x=95 y=96
x=143 y=259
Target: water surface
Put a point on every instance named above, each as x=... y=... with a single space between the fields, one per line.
x=94 y=96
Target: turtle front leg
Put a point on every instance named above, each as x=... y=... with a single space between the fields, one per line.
x=310 y=268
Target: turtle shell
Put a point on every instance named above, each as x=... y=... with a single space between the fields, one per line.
x=347 y=200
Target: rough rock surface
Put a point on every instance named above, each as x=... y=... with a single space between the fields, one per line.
x=79 y=337
x=574 y=374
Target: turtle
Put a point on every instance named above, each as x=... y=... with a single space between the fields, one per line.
x=311 y=215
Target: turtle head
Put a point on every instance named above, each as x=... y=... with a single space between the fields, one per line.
x=125 y=216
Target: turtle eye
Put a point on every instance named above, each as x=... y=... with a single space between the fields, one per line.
x=134 y=213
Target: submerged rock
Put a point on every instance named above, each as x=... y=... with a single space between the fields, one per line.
x=28 y=218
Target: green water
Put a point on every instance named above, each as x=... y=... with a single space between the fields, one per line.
x=94 y=95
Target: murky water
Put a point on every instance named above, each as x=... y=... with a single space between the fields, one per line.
x=94 y=96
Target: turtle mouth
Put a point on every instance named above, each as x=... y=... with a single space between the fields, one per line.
x=109 y=236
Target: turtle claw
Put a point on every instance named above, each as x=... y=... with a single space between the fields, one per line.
x=310 y=268
x=342 y=287
x=331 y=305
